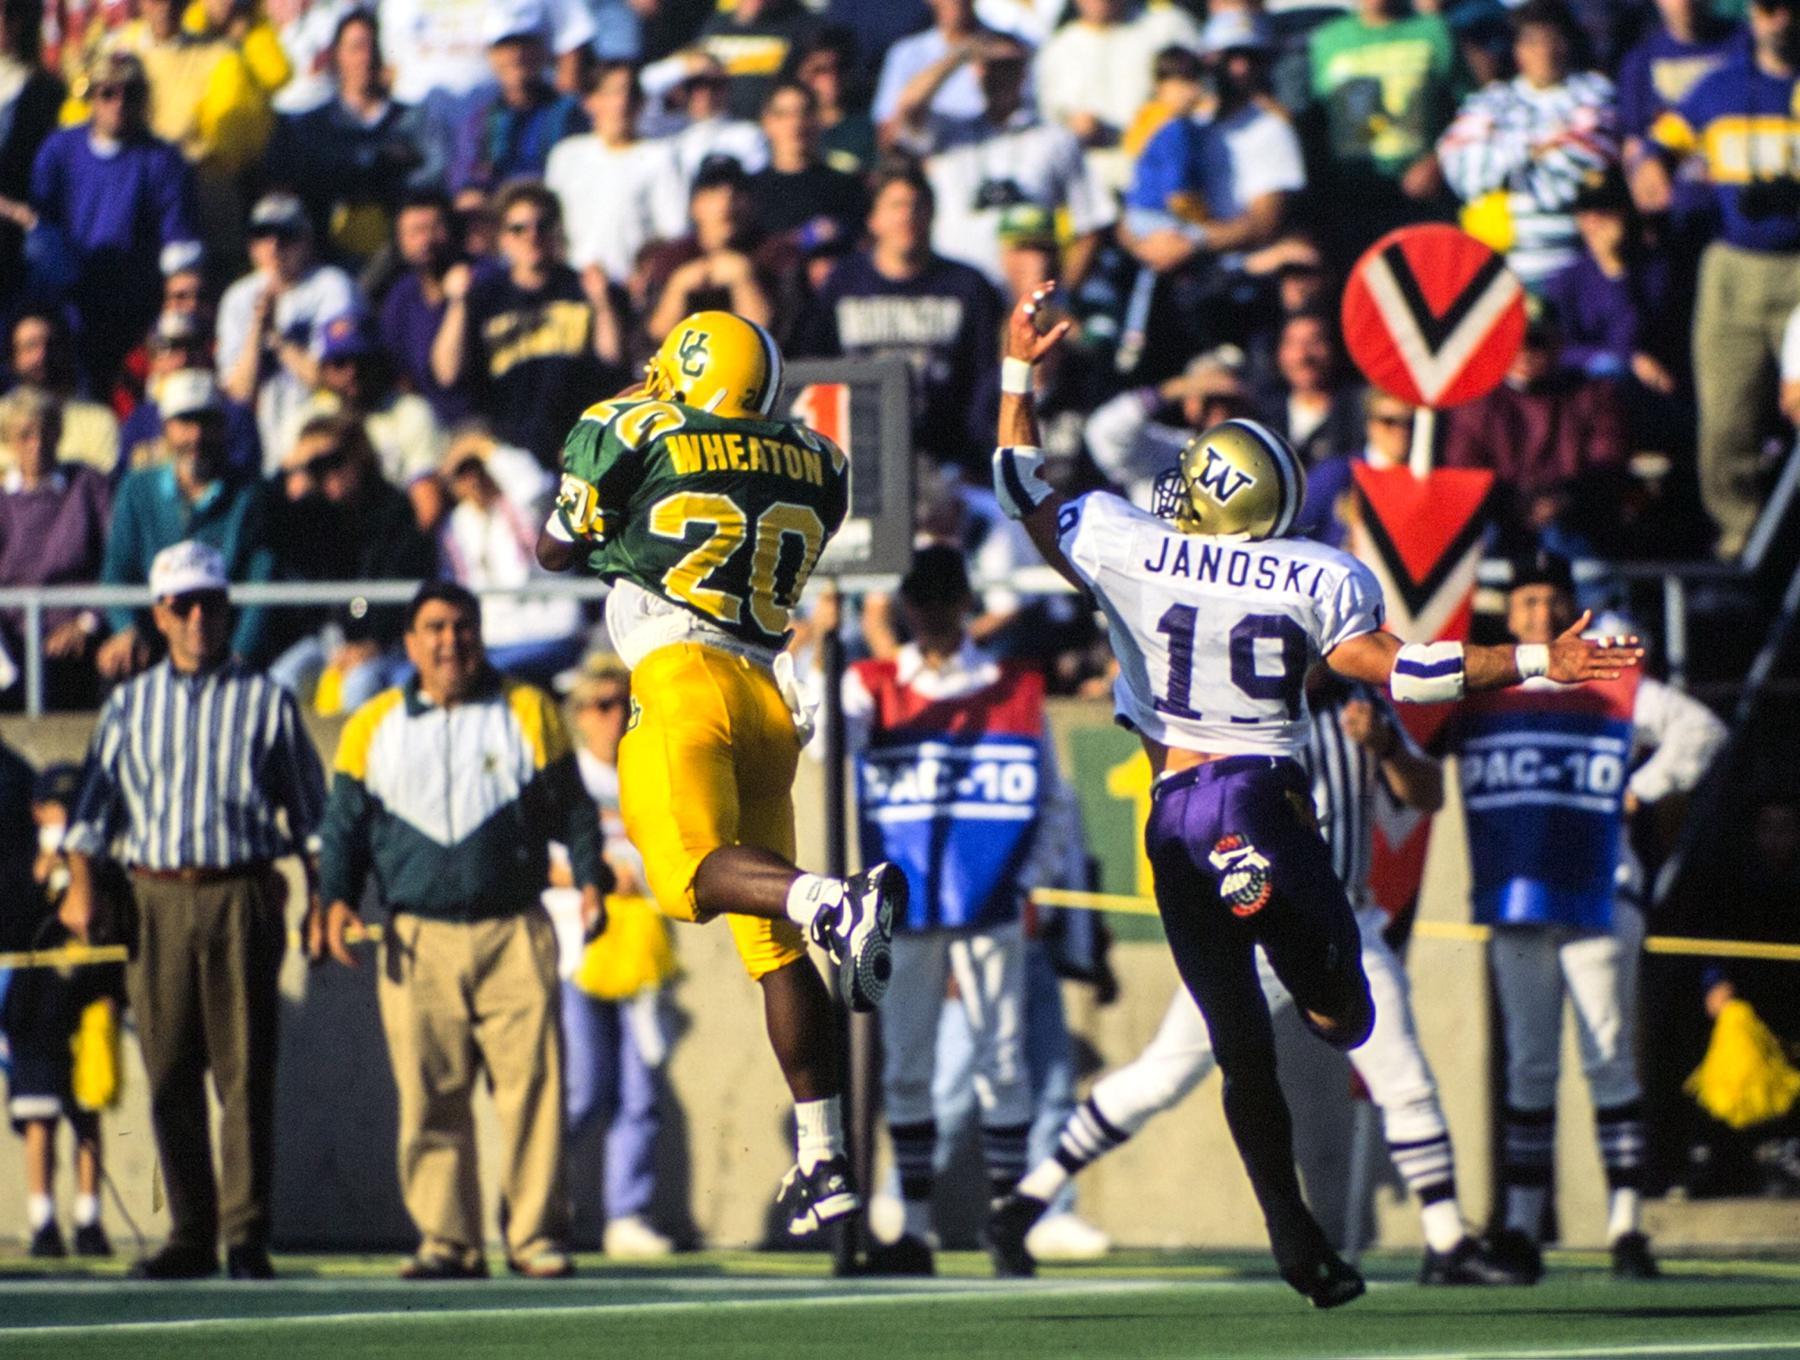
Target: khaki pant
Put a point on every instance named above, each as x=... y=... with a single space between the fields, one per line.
x=457 y=999
x=1745 y=299
x=203 y=987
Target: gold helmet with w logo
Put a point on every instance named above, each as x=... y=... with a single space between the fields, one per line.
x=1239 y=477
x=718 y=362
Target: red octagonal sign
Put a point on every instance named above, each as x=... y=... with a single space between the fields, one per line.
x=1432 y=316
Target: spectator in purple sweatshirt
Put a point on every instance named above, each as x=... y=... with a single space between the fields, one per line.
x=118 y=195
x=53 y=522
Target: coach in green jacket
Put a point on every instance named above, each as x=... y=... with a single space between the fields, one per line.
x=449 y=790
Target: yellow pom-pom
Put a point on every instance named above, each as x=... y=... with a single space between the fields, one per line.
x=1745 y=1079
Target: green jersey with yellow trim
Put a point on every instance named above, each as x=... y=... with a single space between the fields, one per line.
x=722 y=516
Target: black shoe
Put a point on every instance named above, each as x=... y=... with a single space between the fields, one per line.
x=1004 y=1235
x=1516 y=1254
x=906 y=1256
x=809 y=1200
x=433 y=1268
x=1468 y=1262
x=177 y=1262
x=47 y=1243
x=91 y=1241
x=1631 y=1258
x=859 y=935
x=248 y=1263
x=1328 y=1281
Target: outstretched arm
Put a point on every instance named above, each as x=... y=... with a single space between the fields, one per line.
x=1442 y=672
x=1018 y=461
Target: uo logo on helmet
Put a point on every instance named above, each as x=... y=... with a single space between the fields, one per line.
x=1220 y=480
x=693 y=353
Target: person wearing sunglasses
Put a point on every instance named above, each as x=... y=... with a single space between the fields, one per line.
x=114 y=195
x=339 y=519
x=1326 y=512
x=198 y=840
x=527 y=343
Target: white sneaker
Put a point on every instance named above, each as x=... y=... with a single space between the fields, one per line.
x=632 y=1239
x=887 y=1218
x=1067 y=1237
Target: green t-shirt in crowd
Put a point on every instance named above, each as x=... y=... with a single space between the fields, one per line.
x=1387 y=92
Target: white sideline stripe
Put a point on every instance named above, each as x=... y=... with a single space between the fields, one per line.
x=1696 y=1347
x=853 y=1297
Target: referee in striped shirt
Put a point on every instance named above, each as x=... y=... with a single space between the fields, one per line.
x=199 y=778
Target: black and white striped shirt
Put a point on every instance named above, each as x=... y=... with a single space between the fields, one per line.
x=1346 y=781
x=197 y=772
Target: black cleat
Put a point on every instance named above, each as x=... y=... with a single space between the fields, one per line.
x=1328 y=1282
x=90 y=1240
x=1468 y=1262
x=1631 y=1258
x=436 y=1268
x=1516 y=1254
x=177 y=1262
x=904 y=1256
x=811 y=1199
x=47 y=1243
x=248 y=1263
x=859 y=935
x=1004 y=1235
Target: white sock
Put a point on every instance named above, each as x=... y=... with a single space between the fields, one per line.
x=87 y=1210
x=39 y=1210
x=1624 y=1215
x=916 y=1220
x=820 y=1130
x=1044 y=1180
x=1525 y=1208
x=811 y=894
x=1443 y=1225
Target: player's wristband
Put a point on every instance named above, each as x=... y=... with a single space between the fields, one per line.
x=1532 y=659
x=1019 y=483
x=1015 y=377
x=1428 y=673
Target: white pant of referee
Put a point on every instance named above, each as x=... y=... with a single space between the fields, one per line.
x=988 y=967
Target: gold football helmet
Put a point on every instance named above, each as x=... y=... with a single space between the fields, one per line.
x=718 y=362
x=1239 y=477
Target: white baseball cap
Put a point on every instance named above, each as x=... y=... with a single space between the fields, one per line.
x=188 y=392
x=517 y=19
x=186 y=568
x=1234 y=30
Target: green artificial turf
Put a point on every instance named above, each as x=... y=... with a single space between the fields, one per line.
x=750 y=1305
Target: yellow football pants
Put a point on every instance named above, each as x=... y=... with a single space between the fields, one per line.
x=708 y=761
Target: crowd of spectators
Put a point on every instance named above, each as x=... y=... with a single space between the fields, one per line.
x=324 y=283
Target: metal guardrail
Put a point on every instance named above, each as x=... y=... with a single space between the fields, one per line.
x=32 y=601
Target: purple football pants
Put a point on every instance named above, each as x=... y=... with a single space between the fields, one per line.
x=1239 y=862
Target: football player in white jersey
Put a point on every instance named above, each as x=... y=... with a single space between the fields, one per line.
x=1215 y=617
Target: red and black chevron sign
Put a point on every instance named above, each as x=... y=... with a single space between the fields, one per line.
x=1422 y=537
x=1432 y=316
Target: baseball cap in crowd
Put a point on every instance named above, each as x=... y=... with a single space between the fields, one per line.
x=512 y=19
x=58 y=783
x=179 y=256
x=1233 y=30
x=346 y=337
x=1602 y=191
x=938 y=575
x=1542 y=568
x=188 y=393
x=186 y=568
x=1027 y=224
x=278 y=215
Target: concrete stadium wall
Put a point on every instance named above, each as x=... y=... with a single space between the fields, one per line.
x=727 y=1130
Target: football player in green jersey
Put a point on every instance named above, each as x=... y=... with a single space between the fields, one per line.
x=708 y=512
